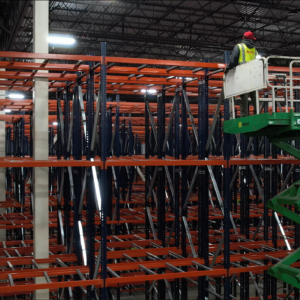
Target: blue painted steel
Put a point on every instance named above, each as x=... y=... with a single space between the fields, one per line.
x=227 y=196
x=177 y=169
x=244 y=211
x=184 y=154
x=90 y=190
x=203 y=201
x=267 y=178
x=147 y=169
x=109 y=128
x=147 y=184
x=296 y=177
x=104 y=187
x=59 y=146
x=117 y=169
x=77 y=178
x=161 y=198
x=66 y=188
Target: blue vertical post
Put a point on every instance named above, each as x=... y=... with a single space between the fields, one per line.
x=90 y=192
x=177 y=182
x=184 y=153
x=273 y=221
x=117 y=169
x=31 y=138
x=59 y=147
x=123 y=170
x=244 y=212
x=77 y=174
x=130 y=153
x=203 y=201
x=227 y=195
x=296 y=177
x=217 y=152
x=161 y=199
x=66 y=191
x=267 y=177
x=147 y=183
x=109 y=170
x=274 y=192
x=103 y=171
x=177 y=169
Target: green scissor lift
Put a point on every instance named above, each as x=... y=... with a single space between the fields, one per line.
x=279 y=128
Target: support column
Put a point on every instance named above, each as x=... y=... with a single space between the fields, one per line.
x=40 y=143
x=2 y=170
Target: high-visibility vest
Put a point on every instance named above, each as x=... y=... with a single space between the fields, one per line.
x=246 y=54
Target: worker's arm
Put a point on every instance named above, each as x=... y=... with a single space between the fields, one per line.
x=234 y=59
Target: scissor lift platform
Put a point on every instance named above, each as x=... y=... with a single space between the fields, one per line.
x=283 y=126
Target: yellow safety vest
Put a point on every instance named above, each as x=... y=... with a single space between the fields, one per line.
x=246 y=54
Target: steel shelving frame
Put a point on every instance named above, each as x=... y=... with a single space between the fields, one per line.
x=169 y=215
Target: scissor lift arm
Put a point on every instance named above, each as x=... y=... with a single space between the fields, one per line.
x=279 y=128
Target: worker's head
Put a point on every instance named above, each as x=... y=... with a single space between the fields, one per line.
x=249 y=36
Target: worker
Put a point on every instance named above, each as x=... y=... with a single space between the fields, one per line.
x=242 y=53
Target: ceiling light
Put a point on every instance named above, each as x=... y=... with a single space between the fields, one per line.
x=7 y=110
x=61 y=40
x=16 y=96
x=151 y=91
x=55 y=123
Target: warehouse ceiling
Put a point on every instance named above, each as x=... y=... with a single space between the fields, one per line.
x=178 y=30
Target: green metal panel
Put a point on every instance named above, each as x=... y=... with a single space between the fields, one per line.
x=271 y=125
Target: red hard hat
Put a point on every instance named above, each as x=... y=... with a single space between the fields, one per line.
x=249 y=35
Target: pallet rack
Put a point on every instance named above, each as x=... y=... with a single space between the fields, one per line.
x=167 y=222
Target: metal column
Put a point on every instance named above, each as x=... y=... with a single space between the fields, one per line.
x=203 y=201
x=90 y=189
x=184 y=153
x=103 y=172
x=227 y=196
x=161 y=200
x=2 y=171
x=77 y=175
x=267 y=177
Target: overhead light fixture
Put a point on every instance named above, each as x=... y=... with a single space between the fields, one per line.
x=55 y=123
x=7 y=110
x=61 y=40
x=16 y=96
x=151 y=91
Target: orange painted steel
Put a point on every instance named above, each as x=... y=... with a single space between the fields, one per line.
x=139 y=160
x=135 y=278
x=120 y=81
